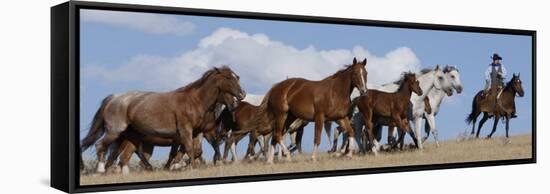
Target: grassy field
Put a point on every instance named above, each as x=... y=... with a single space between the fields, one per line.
x=449 y=152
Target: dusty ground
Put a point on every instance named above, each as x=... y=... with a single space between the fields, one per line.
x=449 y=152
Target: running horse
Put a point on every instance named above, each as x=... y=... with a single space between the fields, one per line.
x=318 y=101
x=173 y=114
x=498 y=103
x=392 y=108
x=132 y=142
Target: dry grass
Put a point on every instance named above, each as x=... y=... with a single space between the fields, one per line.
x=448 y=152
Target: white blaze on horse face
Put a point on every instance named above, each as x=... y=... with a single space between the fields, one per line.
x=363 y=80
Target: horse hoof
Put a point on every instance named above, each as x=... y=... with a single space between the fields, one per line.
x=125 y=170
x=117 y=169
x=101 y=167
x=175 y=166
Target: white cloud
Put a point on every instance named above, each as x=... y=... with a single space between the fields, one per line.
x=146 y=22
x=258 y=60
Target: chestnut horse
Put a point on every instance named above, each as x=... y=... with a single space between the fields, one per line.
x=131 y=141
x=318 y=101
x=499 y=103
x=172 y=114
x=391 y=107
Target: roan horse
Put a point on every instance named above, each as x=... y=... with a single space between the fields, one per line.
x=390 y=107
x=498 y=103
x=318 y=101
x=130 y=141
x=170 y=114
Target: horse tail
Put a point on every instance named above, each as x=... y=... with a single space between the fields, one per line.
x=472 y=114
x=97 y=128
x=263 y=117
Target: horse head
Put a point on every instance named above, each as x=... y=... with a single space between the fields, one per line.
x=228 y=100
x=516 y=85
x=441 y=82
x=454 y=77
x=359 y=75
x=228 y=82
x=413 y=84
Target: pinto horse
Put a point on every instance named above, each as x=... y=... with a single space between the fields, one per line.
x=173 y=114
x=393 y=107
x=318 y=101
x=500 y=103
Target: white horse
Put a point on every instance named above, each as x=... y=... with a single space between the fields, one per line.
x=436 y=97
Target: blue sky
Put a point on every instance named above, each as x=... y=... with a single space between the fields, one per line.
x=153 y=52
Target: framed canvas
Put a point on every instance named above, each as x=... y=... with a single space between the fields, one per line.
x=150 y=96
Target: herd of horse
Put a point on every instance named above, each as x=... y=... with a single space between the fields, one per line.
x=213 y=108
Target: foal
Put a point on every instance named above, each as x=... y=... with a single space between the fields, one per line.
x=393 y=106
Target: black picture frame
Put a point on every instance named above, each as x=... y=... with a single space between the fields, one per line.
x=65 y=94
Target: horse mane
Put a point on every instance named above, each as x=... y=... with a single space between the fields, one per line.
x=426 y=70
x=400 y=81
x=341 y=71
x=449 y=68
x=199 y=82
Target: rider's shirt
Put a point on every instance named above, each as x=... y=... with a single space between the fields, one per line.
x=495 y=67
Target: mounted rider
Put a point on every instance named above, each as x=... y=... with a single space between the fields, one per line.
x=494 y=77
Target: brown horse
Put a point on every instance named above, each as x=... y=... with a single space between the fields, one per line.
x=237 y=124
x=391 y=107
x=172 y=114
x=498 y=103
x=130 y=141
x=318 y=101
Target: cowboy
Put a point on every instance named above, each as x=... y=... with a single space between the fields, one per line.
x=495 y=74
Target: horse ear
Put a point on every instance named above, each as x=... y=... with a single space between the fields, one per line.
x=354 y=60
x=437 y=67
x=364 y=61
x=514 y=75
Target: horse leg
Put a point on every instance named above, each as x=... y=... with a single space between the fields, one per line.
x=116 y=148
x=334 y=140
x=417 y=126
x=474 y=123
x=352 y=144
x=125 y=156
x=234 y=157
x=101 y=147
x=276 y=136
x=328 y=128
x=367 y=118
x=507 y=125
x=430 y=119
x=427 y=130
x=299 y=136
x=481 y=122
x=172 y=154
x=250 y=152
x=186 y=142
x=495 y=124
x=147 y=152
x=319 y=121
x=230 y=141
